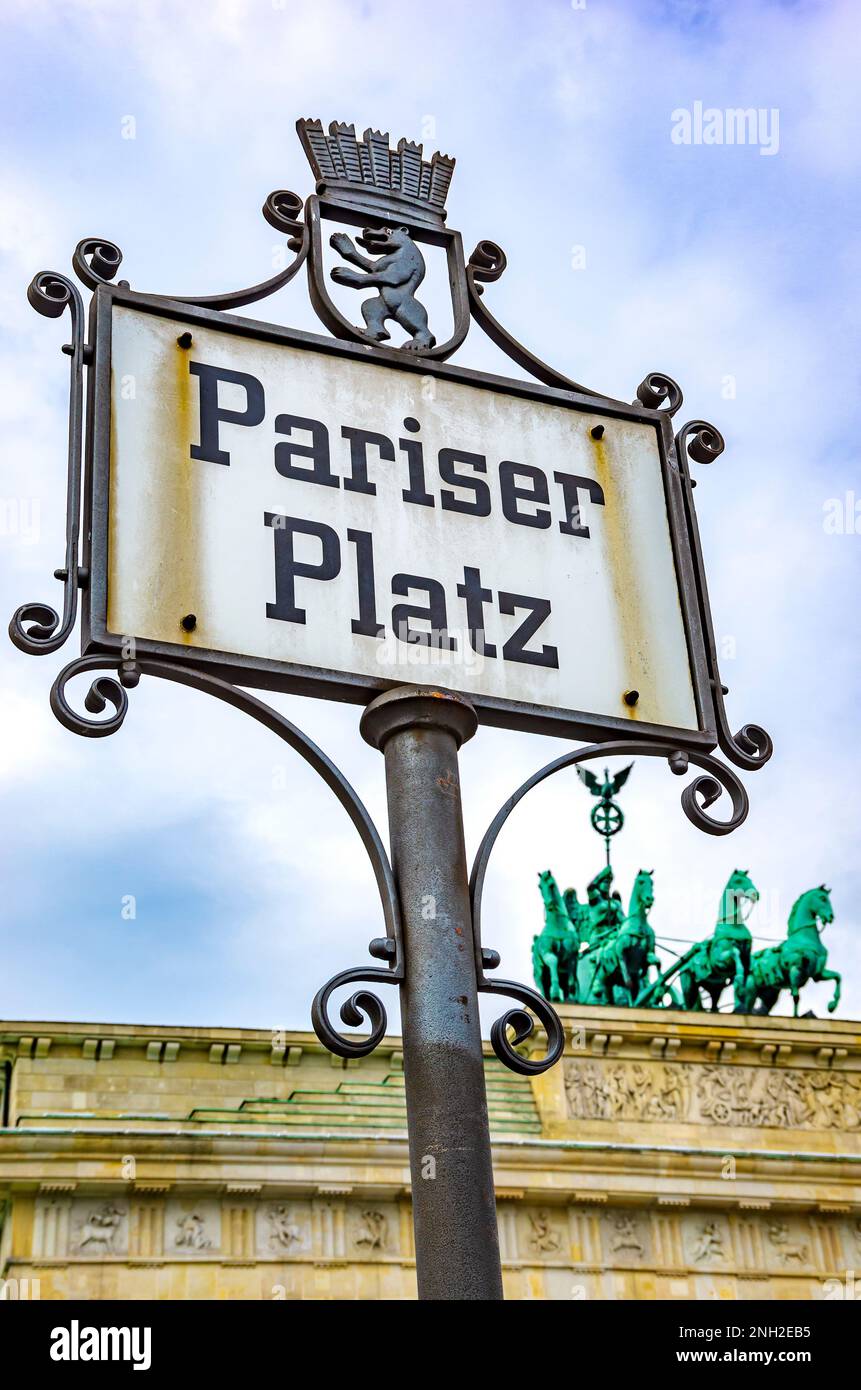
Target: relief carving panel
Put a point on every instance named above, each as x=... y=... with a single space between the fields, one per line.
x=284 y=1228
x=192 y=1227
x=782 y=1098
x=99 y=1227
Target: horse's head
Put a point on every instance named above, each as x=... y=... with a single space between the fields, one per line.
x=549 y=889
x=812 y=907
x=739 y=897
x=643 y=892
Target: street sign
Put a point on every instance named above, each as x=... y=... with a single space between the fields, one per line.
x=319 y=518
x=330 y=516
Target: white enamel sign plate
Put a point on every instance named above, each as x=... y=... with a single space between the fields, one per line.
x=286 y=510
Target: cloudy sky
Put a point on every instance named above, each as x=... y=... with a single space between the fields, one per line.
x=734 y=268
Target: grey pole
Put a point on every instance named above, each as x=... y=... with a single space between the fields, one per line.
x=419 y=731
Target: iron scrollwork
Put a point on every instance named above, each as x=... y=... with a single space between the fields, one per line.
x=96 y=261
x=37 y=628
x=105 y=691
x=659 y=392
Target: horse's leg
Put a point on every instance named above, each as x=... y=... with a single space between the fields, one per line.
x=744 y=995
x=838 y=981
x=562 y=971
x=739 y=979
x=572 y=993
x=690 y=992
x=764 y=1000
x=796 y=980
x=625 y=972
x=553 y=967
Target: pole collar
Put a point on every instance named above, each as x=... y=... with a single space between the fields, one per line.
x=417 y=706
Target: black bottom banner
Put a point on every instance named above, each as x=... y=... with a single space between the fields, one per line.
x=217 y=1341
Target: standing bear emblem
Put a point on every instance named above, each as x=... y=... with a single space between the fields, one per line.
x=397 y=274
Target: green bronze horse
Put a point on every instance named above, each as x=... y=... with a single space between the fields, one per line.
x=801 y=957
x=724 y=957
x=554 y=952
x=635 y=943
x=614 y=968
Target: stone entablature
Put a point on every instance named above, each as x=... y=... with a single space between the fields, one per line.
x=668 y=1156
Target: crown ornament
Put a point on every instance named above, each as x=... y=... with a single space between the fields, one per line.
x=375 y=178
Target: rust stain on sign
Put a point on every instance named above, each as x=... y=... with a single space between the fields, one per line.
x=178 y=568
x=170 y=509
x=622 y=547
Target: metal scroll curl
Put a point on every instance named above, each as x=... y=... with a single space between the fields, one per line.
x=354 y=1011
x=105 y=691
x=660 y=392
x=715 y=779
x=751 y=747
x=523 y=1025
x=96 y=261
x=37 y=628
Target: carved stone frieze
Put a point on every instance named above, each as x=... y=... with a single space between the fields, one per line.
x=776 y=1097
x=669 y=1241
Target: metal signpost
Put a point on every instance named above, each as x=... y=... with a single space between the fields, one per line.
x=325 y=515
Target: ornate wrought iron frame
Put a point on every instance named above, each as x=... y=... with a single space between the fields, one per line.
x=37 y=628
